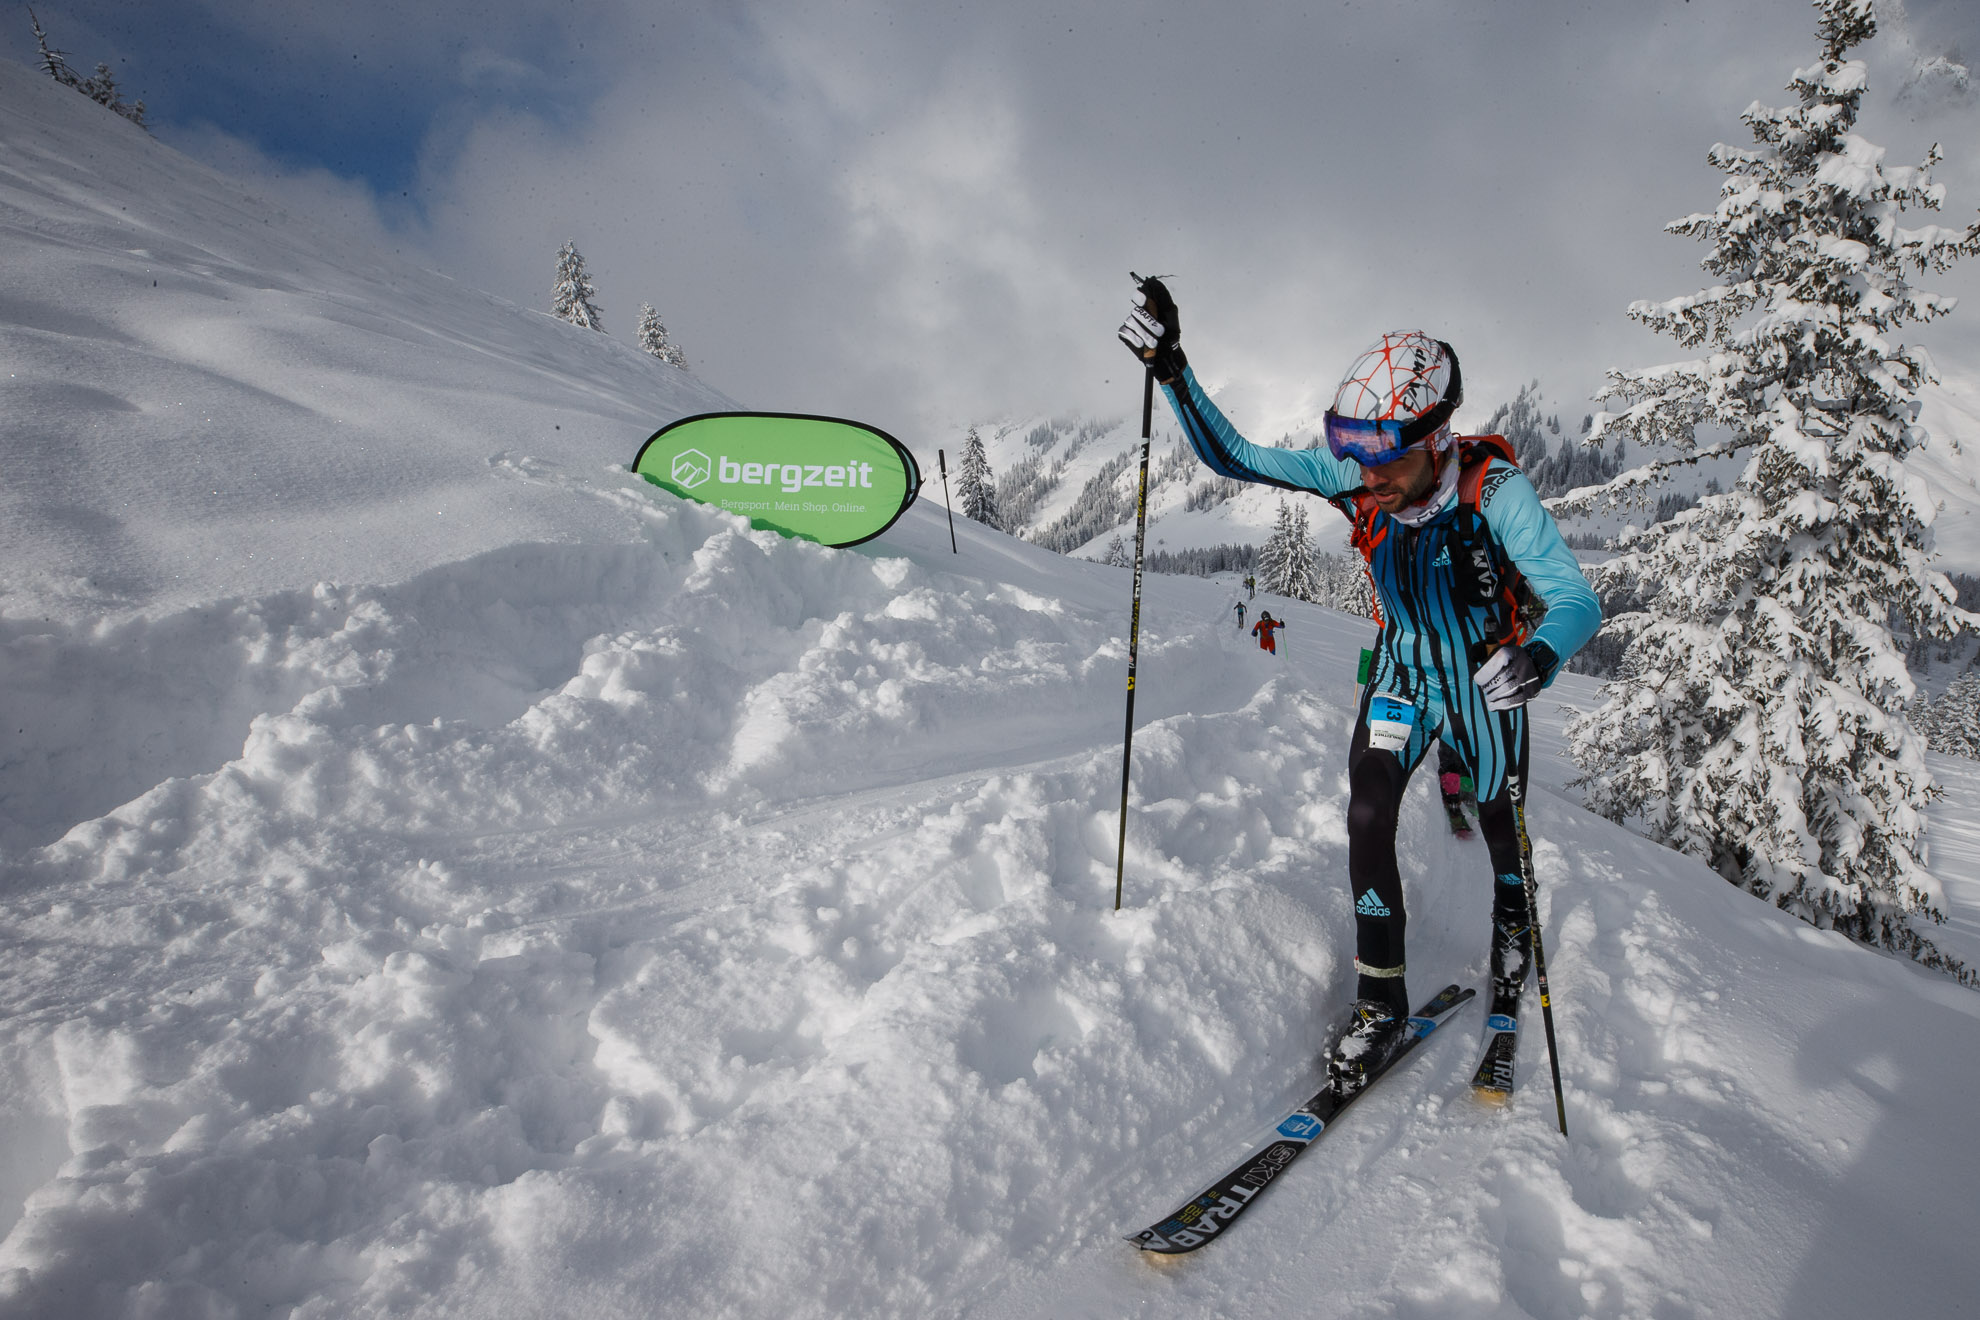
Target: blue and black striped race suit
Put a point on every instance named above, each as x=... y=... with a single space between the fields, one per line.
x=1423 y=658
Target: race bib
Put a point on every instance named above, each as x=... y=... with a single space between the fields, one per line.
x=1390 y=722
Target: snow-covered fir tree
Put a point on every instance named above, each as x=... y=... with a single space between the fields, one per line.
x=1117 y=553
x=975 y=486
x=54 y=63
x=1951 y=723
x=572 y=297
x=1285 y=562
x=1302 y=580
x=1344 y=584
x=1272 y=556
x=1759 y=720
x=653 y=337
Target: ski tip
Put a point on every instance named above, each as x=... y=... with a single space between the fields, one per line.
x=1153 y=1255
x=1492 y=1097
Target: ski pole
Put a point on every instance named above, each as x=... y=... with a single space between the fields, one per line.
x=1134 y=621
x=1532 y=884
x=943 y=460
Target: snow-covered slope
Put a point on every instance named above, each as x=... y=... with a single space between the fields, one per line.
x=629 y=914
x=193 y=395
x=1951 y=463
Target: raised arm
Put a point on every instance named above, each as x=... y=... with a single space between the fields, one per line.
x=1229 y=454
x=1153 y=333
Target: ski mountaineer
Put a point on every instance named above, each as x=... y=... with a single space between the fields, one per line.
x=1263 y=630
x=1240 y=614
x=1455 y=538
x=1454 y=783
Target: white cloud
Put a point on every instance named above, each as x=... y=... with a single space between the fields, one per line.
x=920 y=215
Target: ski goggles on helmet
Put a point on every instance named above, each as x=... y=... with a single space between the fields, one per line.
x=1370 y=442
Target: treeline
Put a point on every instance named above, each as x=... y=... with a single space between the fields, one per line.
x=1106 y=501
x=99 y=87
x=1204 y=561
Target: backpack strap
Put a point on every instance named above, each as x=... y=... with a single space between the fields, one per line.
x=1485 y=578
x=1367 y=529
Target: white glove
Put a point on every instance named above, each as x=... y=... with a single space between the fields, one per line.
x=1142 y=332
x=1509 y=679
x=1153 y=329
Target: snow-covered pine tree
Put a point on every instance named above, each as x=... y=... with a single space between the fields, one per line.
x=54 y=62
x=1302 y=580
x=653 y=337
x=1344 y=584
x=1951 y=724
x=975 y=486
x=1759 y=720
x=571 y=298
x=1117 y=553
x=1275 y=556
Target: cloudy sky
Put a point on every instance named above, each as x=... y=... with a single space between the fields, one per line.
x=920 y=214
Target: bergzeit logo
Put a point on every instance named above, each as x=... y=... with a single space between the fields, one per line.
x=794 y=477
x=691 y=468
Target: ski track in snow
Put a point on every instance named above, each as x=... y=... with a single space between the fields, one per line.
x=501 y=890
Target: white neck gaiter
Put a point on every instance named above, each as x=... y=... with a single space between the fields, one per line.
x=1438 y=499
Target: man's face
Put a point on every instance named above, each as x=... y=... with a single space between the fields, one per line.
x=1399 y=484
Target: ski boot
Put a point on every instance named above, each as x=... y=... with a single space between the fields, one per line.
x=1512 y=956
x=1493 y=1079
x=1374 y=1033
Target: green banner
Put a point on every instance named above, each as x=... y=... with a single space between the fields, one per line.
x=822 y=478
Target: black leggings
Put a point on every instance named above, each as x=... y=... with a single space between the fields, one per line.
x=1376 y=780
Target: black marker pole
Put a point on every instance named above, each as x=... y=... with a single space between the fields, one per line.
x=943 y=460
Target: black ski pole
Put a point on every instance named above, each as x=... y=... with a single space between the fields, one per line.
x=1134 y=620
x=943 y=460
x=1539 y=951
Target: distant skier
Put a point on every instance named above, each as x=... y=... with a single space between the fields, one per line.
x=1454 y=538
x=1251 y=585
x=1263 y=630
x=1240 y=614
x=1455 y=786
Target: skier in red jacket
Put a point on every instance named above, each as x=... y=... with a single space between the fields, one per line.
x=1263 y=630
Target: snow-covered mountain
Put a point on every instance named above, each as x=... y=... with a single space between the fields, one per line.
x=1069 y=482
x=445 y=876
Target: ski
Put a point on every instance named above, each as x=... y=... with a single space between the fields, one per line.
x=1493 y=1082
x=1206 y=1216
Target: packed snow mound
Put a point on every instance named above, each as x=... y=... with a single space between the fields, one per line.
x=206 y=395
x=735 y=937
